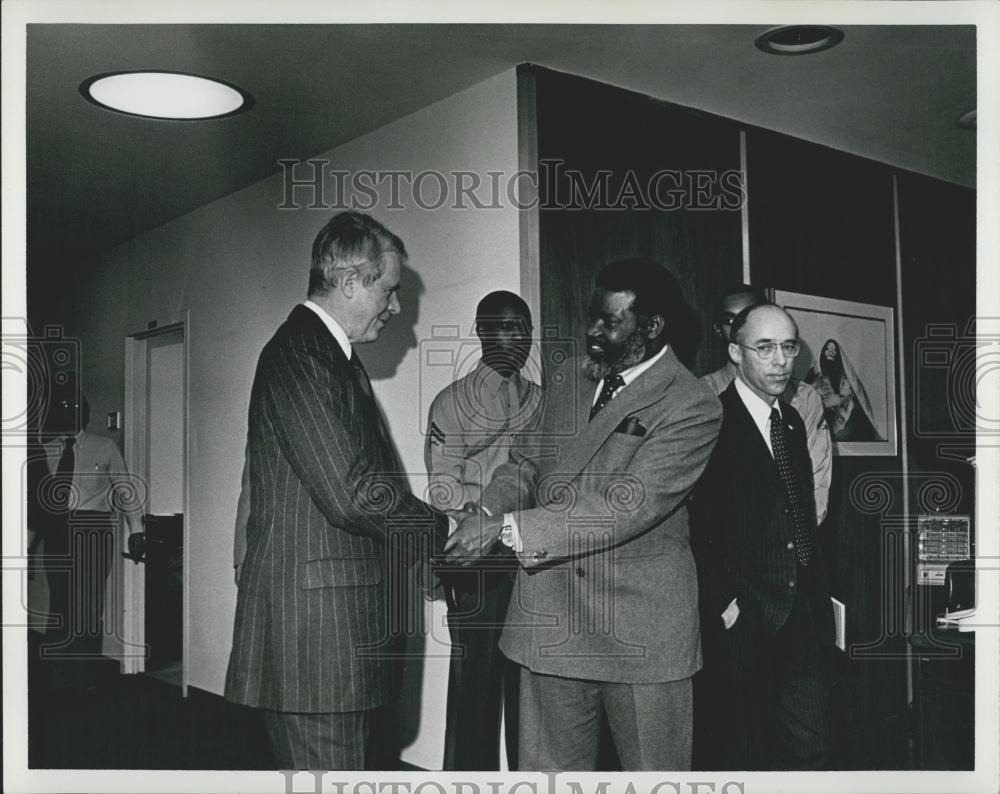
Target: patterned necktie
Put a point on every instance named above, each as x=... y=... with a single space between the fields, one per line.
x=612 y=383
x=64 y=476
x=793 y=488
x=362 y=376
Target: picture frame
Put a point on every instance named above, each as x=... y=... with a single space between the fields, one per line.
x=849 y=355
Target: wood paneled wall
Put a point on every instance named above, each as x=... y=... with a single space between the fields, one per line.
x=589 y=129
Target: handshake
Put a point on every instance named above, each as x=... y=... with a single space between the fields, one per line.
x=473 y=536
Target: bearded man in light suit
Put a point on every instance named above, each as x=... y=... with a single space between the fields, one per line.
x=604 y=616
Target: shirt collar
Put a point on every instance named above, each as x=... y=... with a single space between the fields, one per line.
x=58 y=443
x=632 y=373
x=335 y=328
x=487 y=376
x=759 y=410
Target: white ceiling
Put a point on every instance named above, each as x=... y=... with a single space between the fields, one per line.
x=95 y=178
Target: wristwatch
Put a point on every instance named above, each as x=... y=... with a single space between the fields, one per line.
x=506 y=536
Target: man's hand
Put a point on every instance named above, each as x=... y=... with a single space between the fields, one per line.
x=475 y=537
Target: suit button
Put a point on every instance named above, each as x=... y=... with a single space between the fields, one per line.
x=791 y=585
x=790 y=545
x=785 y=510
x=580 y=572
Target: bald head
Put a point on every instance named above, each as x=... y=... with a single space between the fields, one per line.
x=758 y=334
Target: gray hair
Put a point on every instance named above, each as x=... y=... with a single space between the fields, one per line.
x=351 y=241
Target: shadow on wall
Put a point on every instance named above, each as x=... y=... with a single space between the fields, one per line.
x=383 y=357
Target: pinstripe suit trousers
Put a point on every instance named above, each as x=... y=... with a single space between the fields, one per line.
x=321 y=741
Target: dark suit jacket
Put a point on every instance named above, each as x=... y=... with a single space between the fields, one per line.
x=327 y=498
x=743 y=531
x=608 y=589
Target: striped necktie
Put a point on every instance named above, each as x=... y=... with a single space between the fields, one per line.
x=360 y=374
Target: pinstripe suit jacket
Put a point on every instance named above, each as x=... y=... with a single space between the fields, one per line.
x=743 y=534
x=608 y=589
x=329 y=505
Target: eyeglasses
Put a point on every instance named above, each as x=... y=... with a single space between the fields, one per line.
x=766 y=350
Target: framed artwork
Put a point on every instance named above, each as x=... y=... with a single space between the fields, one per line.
x=849 y=356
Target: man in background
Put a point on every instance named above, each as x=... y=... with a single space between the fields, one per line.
x=472 y=424
x=313 y=645
x=800 y=395
x=604 y=617
x=87 y=486
x=767 y=617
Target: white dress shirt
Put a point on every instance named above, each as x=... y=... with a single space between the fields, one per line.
x=759 y=410
x=630 y=374
x=335 y=328
x=100 y=480
x=807 y=401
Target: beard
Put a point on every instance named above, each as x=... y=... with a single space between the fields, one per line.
x=616 y=359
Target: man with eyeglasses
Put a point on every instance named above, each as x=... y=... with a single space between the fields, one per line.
x=767 y=619
x=799 y=394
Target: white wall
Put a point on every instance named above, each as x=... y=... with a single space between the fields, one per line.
x=239 y=265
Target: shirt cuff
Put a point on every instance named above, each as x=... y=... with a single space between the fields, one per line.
x=511 y=534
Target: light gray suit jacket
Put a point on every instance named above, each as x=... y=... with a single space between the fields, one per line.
x=608 y=590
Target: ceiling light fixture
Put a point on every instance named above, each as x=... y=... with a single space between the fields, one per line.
x=798 y=39
x=164 y=95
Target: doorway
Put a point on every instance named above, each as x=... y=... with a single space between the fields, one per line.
x=154 y=579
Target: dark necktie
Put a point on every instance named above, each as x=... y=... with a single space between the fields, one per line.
x=64 y=476
x=793 y=488
x=612 y=383
x=359 y=372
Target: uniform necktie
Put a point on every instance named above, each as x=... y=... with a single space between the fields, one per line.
x=64 y=476
x=793 y=488
x=612 y=383
x=362 y=376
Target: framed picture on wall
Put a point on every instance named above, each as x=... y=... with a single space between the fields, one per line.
x=849 y=356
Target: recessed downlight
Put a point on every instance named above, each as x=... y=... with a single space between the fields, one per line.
x=798 y=39
x=165 y=95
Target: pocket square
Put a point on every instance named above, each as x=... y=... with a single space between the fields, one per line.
x=631 y=426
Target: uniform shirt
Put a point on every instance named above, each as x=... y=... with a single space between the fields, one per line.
x=471 y=426
x=806 y=400
x=100 y=480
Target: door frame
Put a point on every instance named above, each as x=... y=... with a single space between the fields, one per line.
x=134 y=423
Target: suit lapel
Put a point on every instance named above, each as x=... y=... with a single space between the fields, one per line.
x=308 y=322
x=746 y=429
x=649 y=387
x=751 y=441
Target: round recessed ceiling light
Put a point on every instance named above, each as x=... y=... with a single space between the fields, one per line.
x=798 y=39
x=165 y=95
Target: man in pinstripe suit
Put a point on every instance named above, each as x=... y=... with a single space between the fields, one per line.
x=767 y=619
x=313 y=642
